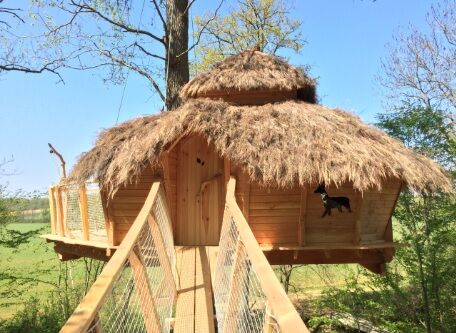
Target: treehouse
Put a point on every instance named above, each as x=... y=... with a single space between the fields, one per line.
x=249 y=147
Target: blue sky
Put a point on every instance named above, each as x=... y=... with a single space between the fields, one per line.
x=346 y=41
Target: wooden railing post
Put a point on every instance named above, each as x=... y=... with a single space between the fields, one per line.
x=52 y=211
x=144 y=291
x=84 y=212
x=60 y=217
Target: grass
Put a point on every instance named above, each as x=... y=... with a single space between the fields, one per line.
x=30 y=270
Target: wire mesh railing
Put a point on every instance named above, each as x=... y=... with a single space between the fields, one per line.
x=77 y=212
x=248 y=297
x=136 y=291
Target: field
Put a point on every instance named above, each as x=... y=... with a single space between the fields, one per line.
x=31 y=270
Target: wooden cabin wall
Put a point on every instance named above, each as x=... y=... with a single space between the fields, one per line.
x=294 y=216
x=169 y=163
x=339 y=228
x=123 y=208
x=376 y=210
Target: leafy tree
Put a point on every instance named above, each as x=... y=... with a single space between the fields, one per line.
x=266 y=24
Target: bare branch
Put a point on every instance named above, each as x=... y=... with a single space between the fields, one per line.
x=148 y=53
x=200 y=33
x=157 y=8
x=118 y=24
x=134 y=68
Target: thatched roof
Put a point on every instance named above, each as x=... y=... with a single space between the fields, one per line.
x=278 y=144
x=251 y=71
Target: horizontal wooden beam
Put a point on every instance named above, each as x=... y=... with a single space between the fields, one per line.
x=290 y=257
x=81 y=242
x=333 y=246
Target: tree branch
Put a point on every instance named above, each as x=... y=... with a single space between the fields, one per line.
x=200 y=33
x=118 y=24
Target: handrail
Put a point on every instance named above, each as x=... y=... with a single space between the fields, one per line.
x=90 y=305
x=279 y=304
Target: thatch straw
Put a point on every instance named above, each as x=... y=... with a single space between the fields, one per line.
x=278 y=144
x=251 y=71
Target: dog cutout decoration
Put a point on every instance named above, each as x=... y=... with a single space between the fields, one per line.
x=332 y=202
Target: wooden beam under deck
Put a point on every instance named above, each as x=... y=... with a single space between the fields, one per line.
x=69 y=249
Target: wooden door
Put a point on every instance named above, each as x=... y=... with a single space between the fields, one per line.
x=200 y=192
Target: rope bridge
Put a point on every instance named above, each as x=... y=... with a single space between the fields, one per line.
x=137 y=292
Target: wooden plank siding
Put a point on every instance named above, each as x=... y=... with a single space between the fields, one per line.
x=290 y=216
x=123 y=208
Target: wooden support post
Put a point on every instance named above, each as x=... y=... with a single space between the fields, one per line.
x=161 y=251
x=302 y=217
x=142 y=286
x=60 y=217
x=232 y=307
x=109 y=221
x=52 y=211
x=84 y=212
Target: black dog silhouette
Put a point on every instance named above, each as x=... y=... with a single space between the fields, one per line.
x=332 y=202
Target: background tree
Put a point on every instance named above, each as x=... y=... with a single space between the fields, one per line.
x=421 y=67
x=266 y=24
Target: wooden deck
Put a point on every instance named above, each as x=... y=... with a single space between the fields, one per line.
x=195 y=308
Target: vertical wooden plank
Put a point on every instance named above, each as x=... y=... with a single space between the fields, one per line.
x=52 y=210
x=109 y=220
x=204 y=316
x=357 y=233
x=302 y=217
x=144 y=291
x=84 y=212
x=60 y=216
x=227 y=171
x=185 y=307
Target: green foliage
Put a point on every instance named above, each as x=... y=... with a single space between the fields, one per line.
x=36 y=316
x=428 y=131
x=266 y=24
x=417 y=292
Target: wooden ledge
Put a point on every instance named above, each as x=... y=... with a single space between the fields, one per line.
x=74 y=241
x=335 y=246
x=71 y=248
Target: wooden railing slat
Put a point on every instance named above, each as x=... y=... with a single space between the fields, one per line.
x=52 y=210
x=60 y=217
x=84 y=212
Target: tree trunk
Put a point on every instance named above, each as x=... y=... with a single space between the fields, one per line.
x=177 y=69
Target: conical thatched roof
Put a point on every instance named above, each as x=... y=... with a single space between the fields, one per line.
x=251 y=71
x=279 y=144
